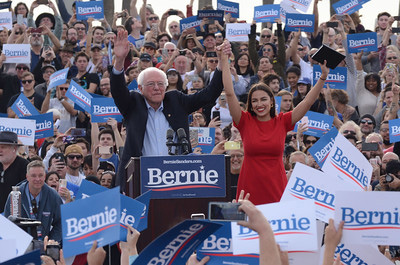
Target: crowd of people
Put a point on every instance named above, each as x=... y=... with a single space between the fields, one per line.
x=159 y=76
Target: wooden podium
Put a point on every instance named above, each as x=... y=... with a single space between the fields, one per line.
x=166 y=213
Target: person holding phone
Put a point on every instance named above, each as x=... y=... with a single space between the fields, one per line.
x=263 y=134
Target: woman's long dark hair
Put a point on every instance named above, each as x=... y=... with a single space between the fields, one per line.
x=249 y=69
x=377 y=78
x=263 y=87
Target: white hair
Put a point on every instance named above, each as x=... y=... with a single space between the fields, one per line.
x=170 y=43
x=149 y=70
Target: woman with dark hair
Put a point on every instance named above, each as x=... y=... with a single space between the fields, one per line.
x=175 y=81
x=52 y=179
x=303 y=87
x=263 y=133
x=368 y=89
x=20 y=9
x=162 y=39
x=243 y=66
x=293 y=75
x=107 y=179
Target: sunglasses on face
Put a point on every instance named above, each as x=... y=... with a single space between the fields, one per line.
x=267 y=49
x=265 y=36
x=153 y=18
x=392 y=58
x=63 y=88
x=243 y=50
x=213 y=61
x=22 y=68
x=367 y=122
x=300 y=49
x=174 y=26
x=310 y=142
x=27 y=81
x=349 y=132
x=75 y=156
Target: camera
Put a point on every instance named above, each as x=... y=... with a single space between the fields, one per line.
x=182 y=52
x=388 y=178
x=225 y=211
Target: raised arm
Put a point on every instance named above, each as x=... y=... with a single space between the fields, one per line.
x=233 y=103
x=310 y=98
x=293 y=48
x=394 y=107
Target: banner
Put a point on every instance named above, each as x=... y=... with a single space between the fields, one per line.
x=25 y=129
x=347 y=6
x=278 y=101
x=87 y=189
x=44 y=125
x=23 y=107
x=103 y=108
x=347 y=163
x=218 y=247
x=17 y=53
x=203 y=138
x=293 y=223
x=32 y=258
x=237 y=31
x=58 y=78
x=394 y=130
x=10 y=231
x=190 y=22
x=266 y=13
x=363 y=254
x=145 y=199
x=6 y=20
x=94 y=218
x=304 y=22
x=177 y=244
x=5 y=5
x=369 y=217
x=183 y=176
x=301 y=5
x=211 y=14
x=229 y=7
x=318 y=124
x=85 y=10
x=337 y=78
x=320 y=150
x=79 y=96
x=309 y=183
x=285 y=9
x=366 y=42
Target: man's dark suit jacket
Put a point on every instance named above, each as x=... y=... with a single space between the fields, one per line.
x=177 y=107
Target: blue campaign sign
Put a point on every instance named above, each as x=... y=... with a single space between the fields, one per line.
x=218 y=247
x=131 y=213
x=294 y=22
x=177 y=244
x=58 y=78
x=87 y=189
x=23 y=107
x=211 y=14
x=205 y=139
x=79 y=96
x=229 y=7
x=145 y=199
x=337 y=78
x=104 y=108
x=190 y=22
x=32 y=258
x=394 y=130
x=133 y=85
x=366 y=42
x=72 y=188
x=183 y=176
x=278 y=101
x=85 y=10
x=94 y=218
x=320 y=150
x=44 y=125
x=5 y=5
x=347 y=6
x=266 y=13
x=318 y=124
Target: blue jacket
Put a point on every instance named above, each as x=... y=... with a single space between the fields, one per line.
x=49 y=212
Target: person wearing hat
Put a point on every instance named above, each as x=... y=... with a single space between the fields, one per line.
x=12 y=167
x=53 y=22
x=303 y=87
x=65 y=55
x=40 y=202
x=209 y=42
x=74 y=156
x=367 y=125
x=145 y=61
x=47 y=71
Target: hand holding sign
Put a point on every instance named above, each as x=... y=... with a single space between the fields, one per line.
x=256 y=220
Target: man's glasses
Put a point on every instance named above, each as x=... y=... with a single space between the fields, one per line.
x=366 y=122
x=75 y=156
x=63 y=88
x=153 y=18
x=22 y=68
x=34 y=206
x=153 y=84
x=265 y=36
x=36 y=35
x=80 y=28
x=213 y=61
x=173 y=26
x=27 y=81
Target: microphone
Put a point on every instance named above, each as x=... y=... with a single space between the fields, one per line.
x=170 y=141
x=183 y=141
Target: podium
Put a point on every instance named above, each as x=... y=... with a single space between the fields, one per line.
x=166 y=213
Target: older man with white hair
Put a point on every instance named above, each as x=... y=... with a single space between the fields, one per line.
x=152 y=112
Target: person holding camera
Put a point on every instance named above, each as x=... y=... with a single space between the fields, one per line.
x=263 y=133
x=391 y=180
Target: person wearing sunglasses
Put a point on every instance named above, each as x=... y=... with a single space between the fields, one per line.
x=39 y=202
x=28 y=84
x=350 y=127
x=367 y=125
x=74 y=161
x=63 y=104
